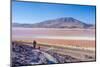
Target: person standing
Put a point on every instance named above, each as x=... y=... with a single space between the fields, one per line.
x=34 y=44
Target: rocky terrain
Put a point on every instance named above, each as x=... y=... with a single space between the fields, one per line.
x=24 y=55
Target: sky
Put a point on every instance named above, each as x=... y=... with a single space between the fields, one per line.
x=35 y=12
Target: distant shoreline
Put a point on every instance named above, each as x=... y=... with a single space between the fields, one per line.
x=52 y=28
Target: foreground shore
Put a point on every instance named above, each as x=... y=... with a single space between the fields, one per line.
x=51 y=54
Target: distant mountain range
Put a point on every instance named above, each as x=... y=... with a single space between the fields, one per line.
x=65 y=22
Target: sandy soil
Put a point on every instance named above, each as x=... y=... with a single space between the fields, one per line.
x=78 y=43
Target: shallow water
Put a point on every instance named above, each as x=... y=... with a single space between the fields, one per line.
x=31 y=33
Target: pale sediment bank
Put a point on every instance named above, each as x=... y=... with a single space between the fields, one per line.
x=56 y=37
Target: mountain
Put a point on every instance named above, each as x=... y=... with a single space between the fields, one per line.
x=64 y=22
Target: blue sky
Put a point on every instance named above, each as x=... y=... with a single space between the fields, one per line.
x=32 y=12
